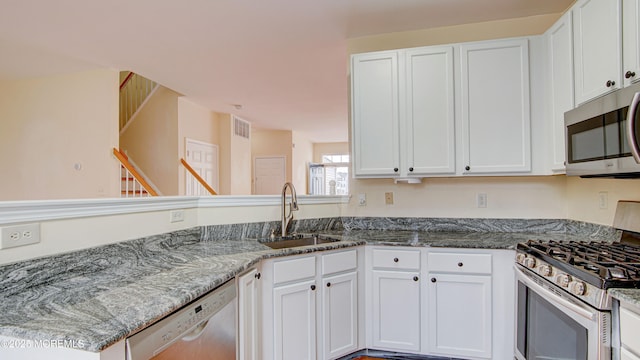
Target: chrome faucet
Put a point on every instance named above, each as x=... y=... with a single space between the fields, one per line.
x=293 y=206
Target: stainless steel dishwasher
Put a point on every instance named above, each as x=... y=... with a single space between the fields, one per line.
x=204 y=329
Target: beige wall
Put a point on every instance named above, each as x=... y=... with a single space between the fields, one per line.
x=50 y=124
x=334 y=148
x=583 y=198
x=151 y=140
x=302 y=155
x=533 y=25
x=196 y=123
x=272 y=143
x=61 y=236
x=235 y=159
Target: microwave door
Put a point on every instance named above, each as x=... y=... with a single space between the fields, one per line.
x=633 y=132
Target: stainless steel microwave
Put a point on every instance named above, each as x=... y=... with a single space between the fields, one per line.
x=602 y=136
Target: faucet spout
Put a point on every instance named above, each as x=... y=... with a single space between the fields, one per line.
x=293 y=206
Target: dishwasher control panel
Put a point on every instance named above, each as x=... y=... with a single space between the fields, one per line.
x=185 y=323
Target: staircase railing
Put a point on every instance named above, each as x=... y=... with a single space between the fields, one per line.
x=132 y=182
x=134 y=91
x=197 y=177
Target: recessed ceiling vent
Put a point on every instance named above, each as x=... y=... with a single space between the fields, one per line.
x=241 y=127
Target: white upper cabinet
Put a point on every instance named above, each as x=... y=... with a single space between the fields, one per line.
x=630 y=38
x=375 y=114
x=403 y=118
x=495 y=105
x=429 y=127
x=561 y=98
x=597 y=48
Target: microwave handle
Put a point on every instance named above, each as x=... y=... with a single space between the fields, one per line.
x=631 y=127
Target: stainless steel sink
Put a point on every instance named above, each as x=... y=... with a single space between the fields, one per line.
x=296 y=240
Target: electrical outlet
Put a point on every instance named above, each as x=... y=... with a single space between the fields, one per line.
x=362 y=199
x=176 y=216
x=481 y=200
x=19 y=235
x=603 y=199
x=388 y=198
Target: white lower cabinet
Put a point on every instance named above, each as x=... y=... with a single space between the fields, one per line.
x=471 y=303
x=629 y=328
x=460 y=315
x=340 y=315
x=446 y=302
x=394 y=307
x=396 y=311
x=294 y=321
x=310 y=306
x=248 y=325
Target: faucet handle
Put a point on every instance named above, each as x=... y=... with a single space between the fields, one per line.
x=273 y=234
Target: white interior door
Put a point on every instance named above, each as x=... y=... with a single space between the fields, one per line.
x=269 y=175
x=203 y=158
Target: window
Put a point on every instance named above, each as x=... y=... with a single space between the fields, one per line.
x=331 y=177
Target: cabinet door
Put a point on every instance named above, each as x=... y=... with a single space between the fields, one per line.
x=248 y=316
x=495 y=107
x=294 y=321
x=429 y=126
x=375 y=113
x=460 y=315
x=560 y=45
x=597 y=46
x=630 y=38
x=396 y=311
x=339 y=315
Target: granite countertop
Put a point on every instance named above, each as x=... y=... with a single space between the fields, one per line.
x=96 y=297
x=629 y=296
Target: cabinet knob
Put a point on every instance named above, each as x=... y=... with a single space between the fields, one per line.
x=610 y=83
x=313 y=287
x=460 y=264
x=395 y=169
x=467 y=167
x=396 y=259
x=415 y=278
x=410 y=169
x=433 y=279
x=328 y=284
x=258 y=276
x=629 y=74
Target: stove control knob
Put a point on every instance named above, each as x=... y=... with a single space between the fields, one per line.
x=577 y=288
x=520 y=258
x=563 y=280
x=530 y=262
x=545 y=270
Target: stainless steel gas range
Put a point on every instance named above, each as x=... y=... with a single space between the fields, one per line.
x=564 y=311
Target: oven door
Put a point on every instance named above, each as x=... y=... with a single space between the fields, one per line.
x=554 y=325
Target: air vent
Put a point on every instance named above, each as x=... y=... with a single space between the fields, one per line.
x=241 y=128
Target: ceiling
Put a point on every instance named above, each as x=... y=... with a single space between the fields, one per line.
x=284 y=61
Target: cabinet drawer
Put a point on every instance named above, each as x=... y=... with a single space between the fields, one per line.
x=459 y=263
x=629 y=329
x=396 y=259
x=340 y=261
x=295 y=269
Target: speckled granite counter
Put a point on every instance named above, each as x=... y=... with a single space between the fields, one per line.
x=629 y=296
x=98 y=296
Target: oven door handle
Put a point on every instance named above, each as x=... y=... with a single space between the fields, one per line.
x=550 y=296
